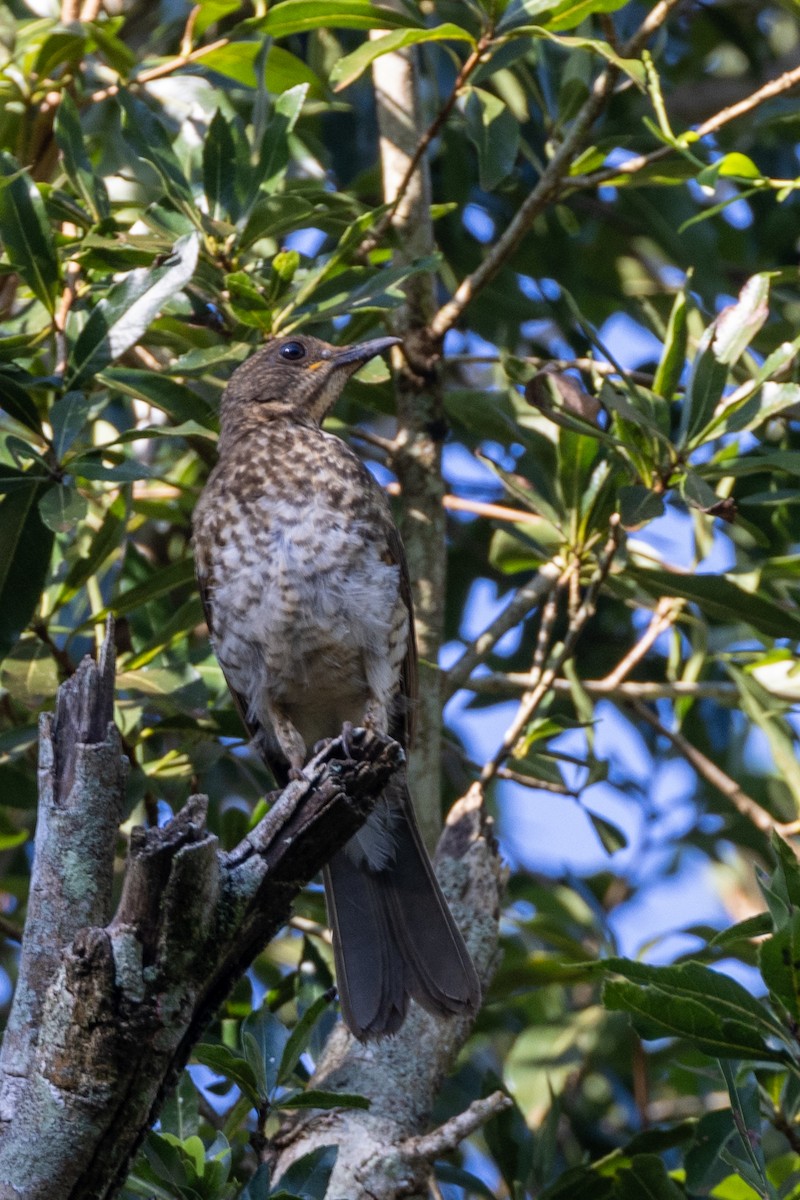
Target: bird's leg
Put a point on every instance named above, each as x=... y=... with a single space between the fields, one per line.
x=289 y=739
x=381 y=684
x=376 y=717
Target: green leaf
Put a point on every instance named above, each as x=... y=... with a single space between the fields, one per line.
x=16 y=401
x=219 y=175
x=273 y=158
x=324 y=1100
x=673 y=356
x=12 y=478
x=160 y=583
x=91 y=466
x=179 y=402
x=362 y=289
x=68 y=419
x=307 y=1178
x=248 y=303
x=759 y=706
x=26 y=233
x=720 y=597
x=779 y=960
x=120 y=319
x=611 y=836
x=258 y=1186
x=148 y=137
x=646 y=1179
x=273 y=216
x=179 y=1114
x=282 y=71
x=704 y=391
x=737 y=325
x=349 y=68
x=494 y=132
x=75 y=157
x=573 y=12
x=711 y=1010
x=264 y=1040
x=299 y=1037
x=298 y=16
x=25 y=547
x=470 y=1184
x=61 y=508
x=638 y=505
x=225 y=1062
x=102 y=546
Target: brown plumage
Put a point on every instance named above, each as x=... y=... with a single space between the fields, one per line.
x=305 y=587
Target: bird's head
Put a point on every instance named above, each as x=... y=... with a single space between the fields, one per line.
x=297 y=376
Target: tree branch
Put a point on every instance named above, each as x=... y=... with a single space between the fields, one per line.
x=546 y=190
x=107 y=1008
x=775 y=87
x=745 y=805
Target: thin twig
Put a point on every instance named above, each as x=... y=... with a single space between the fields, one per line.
x=650 y=25
x=531 y=700
x=550 y=181
x=528 y=596
x=159 y=72
x=665 y=615
x=469 y=65
x=497 y=683
x=593 y=365
x=428 y=1146
x=72 y=272
x=546 y=190
x=745 y=805
x=775 y=87
x=540 y=785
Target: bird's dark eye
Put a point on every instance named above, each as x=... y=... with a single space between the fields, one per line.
x=293 y=351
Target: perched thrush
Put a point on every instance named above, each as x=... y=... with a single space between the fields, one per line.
x=306 y=592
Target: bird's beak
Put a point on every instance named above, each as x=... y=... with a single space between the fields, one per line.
x=363 y=351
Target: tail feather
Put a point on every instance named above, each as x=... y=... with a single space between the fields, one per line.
x=394 y=936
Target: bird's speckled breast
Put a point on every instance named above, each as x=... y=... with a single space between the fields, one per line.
x=302 y=592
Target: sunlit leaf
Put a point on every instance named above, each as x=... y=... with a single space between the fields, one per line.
x=120 y=319
x=349 y=68
x=26 y=233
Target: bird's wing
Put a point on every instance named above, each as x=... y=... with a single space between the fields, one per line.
x=203 y=583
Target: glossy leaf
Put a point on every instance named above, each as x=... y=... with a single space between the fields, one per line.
x=219 y=173
x=120 y=319
x=62 y=507
x=494 y=132
x=16 y=401
x=299 y=16
x=720 y=597
x=715 y=1012
x=26 y=233
x=239 y=60
x=307 y=1178
x=349 y=68
x=25 y=547
x=77 y=163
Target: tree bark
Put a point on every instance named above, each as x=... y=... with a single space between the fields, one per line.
x=420 y=416
x=107 y=1008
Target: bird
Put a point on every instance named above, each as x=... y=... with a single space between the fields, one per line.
x=307 y=597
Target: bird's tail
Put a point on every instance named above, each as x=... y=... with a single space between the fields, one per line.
x=394 y=936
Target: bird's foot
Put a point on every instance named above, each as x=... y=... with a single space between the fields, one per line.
x=348 y=730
